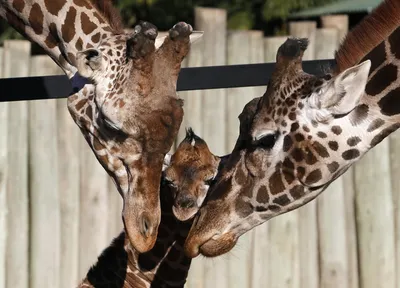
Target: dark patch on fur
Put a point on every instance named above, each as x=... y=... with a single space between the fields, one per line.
x=381 y=80
x=350 y=154
x=390 y=104
x=383 y=134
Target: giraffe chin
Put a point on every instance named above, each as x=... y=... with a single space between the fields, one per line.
x=211 y=248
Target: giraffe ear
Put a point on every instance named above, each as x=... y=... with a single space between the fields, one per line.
x=89 y=62
x=343 y=93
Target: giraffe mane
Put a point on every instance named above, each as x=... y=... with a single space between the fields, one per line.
x=110 y=14
x=371 y=31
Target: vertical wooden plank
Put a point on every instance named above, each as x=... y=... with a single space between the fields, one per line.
x=375 y=219
x=239 y=51
x=43 y=190
x=326 y=40
x=305 y=29
x=308 y=233
x=331 y=204
x=69 y=143
x=193 y=117
x=339 y=22
x=213 y=22
x=394 y=141
x=3 y=183
x=16 y=64
x=283 y=245
x=93 y=213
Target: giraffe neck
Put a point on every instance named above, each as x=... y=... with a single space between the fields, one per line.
x=164 y=266
x=60 y=27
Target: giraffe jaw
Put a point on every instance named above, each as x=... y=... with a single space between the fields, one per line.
x=210 y=247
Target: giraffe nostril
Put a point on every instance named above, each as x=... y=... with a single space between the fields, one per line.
x=145 y=226
x=186 y=201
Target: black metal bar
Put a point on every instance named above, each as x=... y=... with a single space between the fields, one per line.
x=194 y=78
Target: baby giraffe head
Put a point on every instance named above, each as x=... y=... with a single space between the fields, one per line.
x=190 y=171
x=130 y=115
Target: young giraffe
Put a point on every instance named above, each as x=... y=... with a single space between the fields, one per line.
x=166 y=265
x=125 y=100
x=191 y=171
x=305 y=131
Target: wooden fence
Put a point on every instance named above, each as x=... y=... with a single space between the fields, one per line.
x=59 y=209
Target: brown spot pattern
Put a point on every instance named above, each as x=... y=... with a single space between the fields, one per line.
x=89 y=112
x=18 y=5
x=87 y=25
x=394 y=41
x=294 y=127
x=297 y=192
x=79 y=44
x=36 y=19
x=287 y=143
x=310 y=157
x=240 y=177
x=332 y=167
x=314 y=177
x=333 y=145
x=68 y=28
x=282 y=200
x=377 y=56
x=80 y=104
x=53 y=6
x=320 y=149
x=82 y=3
x=353 y=141
x=382 y=79
x=350 y=154
x=96 y=38
x=297 y=155
x=375 y=125
x=262 y=195
x=390 y=103
x=301 y=171
x=322 y=135
x=276 y=185
x=336 y=130
x=51 y=41
x=384 y=133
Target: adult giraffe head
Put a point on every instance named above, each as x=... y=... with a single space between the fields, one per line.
x=131 y=116
x=304 y=132
x=125 y=100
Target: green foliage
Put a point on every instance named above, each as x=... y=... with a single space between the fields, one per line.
x=281 y=9
x=242 y=14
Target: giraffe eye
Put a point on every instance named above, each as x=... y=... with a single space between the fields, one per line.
x=268 y=141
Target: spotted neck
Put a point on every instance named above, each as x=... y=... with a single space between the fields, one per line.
x=166 y=265
x=61 y=27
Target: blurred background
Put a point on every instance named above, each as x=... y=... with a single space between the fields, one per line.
x=59 y=209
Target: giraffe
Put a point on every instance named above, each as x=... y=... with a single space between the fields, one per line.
x=190 y=173
x=124 y=100
x=166 y=265
x=304 y=132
